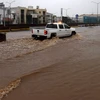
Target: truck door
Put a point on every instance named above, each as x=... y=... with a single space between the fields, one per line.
x=67 y=30
x=61 y=30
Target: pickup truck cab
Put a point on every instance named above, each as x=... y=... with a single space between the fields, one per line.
x=54 y=30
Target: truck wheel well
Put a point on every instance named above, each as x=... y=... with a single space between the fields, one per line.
x=53 y=35
x=73 y=32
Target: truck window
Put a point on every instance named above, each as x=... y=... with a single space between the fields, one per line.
x=51 y=26
x=61 y=26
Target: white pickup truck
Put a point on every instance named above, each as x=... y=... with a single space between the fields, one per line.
x=53 y=30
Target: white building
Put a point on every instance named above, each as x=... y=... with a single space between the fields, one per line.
x=59 y=19
x=6 y=15
x=1 y=16
x=50 y=18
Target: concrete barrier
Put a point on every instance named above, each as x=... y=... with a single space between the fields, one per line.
x=2 y=36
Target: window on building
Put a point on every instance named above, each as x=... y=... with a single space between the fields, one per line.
x=39 y=22
x=22 y=16
x=22 y=11
x=44 y=12
x=43 y=18
x=39 y=17
x=43 y=21
x=39 y=12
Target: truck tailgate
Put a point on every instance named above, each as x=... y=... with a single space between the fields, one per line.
x=38 y=31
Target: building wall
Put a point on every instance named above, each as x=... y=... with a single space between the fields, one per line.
x=90 y=18
x=1 y=15
x=49 y=17
x=16 y=11
x=18 y=15
x=41 y=15
x=37 y=14
x=32 y=16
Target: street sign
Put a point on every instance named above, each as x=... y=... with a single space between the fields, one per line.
x=77 y=16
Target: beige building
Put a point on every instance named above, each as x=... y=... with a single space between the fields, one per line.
x=19 y=14
x=32 y=16
x=41 y=15
x=29 y=15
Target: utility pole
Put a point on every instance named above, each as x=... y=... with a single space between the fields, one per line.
x=61 y=14
x=10 y=8
x=4 y=15
x=97 y=3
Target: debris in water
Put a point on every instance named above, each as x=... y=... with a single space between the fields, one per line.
x=9 y=88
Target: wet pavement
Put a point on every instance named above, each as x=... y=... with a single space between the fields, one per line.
x=69 y=70
x=18 y=35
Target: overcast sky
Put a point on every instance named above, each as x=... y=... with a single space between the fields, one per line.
x=54 y=6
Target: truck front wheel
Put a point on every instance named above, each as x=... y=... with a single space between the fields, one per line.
x=73 y=33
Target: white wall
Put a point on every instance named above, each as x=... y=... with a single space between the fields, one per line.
x=1 y=16
x=49 y=18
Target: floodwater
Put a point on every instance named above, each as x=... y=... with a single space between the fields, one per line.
x=70 y=70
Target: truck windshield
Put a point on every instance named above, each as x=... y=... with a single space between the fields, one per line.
x=51 y=26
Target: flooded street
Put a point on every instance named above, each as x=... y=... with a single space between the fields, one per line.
x=67 y=70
